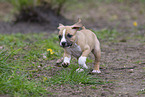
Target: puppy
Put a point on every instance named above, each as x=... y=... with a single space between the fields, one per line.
x=79 y=43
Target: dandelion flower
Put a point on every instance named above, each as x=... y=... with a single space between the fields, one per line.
x=114 y=17
x=44 y=79
x=50 y=50
x=135 y=24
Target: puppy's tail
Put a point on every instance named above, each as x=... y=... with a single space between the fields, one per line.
x=83 y=28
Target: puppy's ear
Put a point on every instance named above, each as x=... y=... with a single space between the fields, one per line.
x=60 y=25
x=77 y=25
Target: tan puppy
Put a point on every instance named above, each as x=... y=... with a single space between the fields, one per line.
x=79 y=43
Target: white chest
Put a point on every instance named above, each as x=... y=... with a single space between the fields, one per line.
x=74 y=50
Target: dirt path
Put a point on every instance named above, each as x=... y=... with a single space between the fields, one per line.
x=124 y=66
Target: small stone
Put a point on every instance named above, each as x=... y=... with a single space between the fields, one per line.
x=123 y=40
x=1 y=47
x=79 y=70
x=59 y=61
x=38 y=66
x=103 y=94
x=130 y=70
x=44 y=57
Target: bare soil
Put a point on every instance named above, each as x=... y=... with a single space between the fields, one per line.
x=123 y=59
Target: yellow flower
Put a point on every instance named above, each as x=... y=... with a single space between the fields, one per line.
x=44 y=79
x=135 y=24
x=114 y=17
x=50 y=50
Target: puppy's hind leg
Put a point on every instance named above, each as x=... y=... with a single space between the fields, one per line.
x=82 y=59
x=97 y=53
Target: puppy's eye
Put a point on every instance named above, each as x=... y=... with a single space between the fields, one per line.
x=60 y=36
x=69 y=35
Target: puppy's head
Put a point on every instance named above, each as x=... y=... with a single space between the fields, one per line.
x=67 y=34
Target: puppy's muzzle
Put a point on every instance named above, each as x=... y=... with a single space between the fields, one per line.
x=63 y=44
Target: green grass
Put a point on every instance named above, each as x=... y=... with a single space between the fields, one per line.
x=70 y=76
x=4 y=0
x=106 y=34
x=20 y=56
x=14 y=81
x=122 y=1
x=24 y=71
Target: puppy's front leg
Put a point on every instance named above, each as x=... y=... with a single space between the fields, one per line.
x=82 y=60
x=66 y=59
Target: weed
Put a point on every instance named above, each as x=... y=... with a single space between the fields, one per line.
x=93 y=87
x=137 y=62
x=103 y=65
x=142 y=91
x=89 y=60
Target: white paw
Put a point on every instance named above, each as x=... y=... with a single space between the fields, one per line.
x=96 y=71
x=79 y=70
x=65 y=64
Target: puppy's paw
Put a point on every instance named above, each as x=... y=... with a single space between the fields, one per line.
x=96 y=71
x=79 y=70
x=65 y=65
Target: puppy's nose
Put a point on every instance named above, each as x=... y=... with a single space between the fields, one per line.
x=63 y=43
